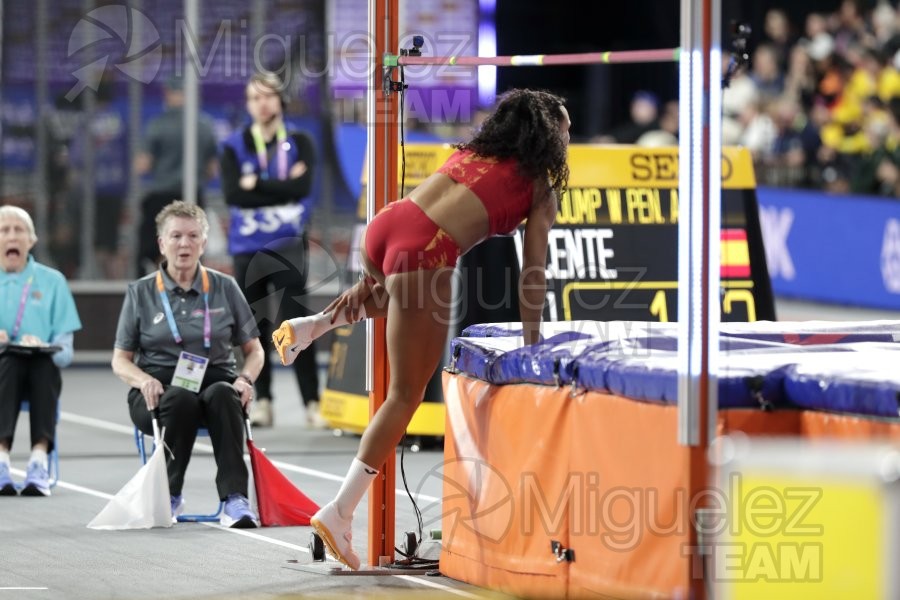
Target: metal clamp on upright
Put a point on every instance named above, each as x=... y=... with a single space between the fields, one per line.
x=391 y=61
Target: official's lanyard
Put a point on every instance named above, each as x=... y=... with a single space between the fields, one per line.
x=21 y=312
x=280 y=151
x=207 y=328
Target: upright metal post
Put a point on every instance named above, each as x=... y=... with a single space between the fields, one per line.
x=700 y=155
x=87 y=267
x=41 y=97
x=329 y=154
x=191 y=109
x=257 y=27
x=382 y=114
x=2 y=170
x=135 y=110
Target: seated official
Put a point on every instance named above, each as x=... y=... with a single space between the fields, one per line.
x=174 y=347
x=36 y=311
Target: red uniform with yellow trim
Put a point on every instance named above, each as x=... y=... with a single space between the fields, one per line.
x=402 y=238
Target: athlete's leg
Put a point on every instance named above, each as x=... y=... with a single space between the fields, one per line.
x=367 y=298
x=417 y=324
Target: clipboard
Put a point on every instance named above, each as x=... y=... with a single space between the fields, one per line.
x=29 y=349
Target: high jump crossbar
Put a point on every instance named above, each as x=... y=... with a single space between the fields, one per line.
x=539 y=60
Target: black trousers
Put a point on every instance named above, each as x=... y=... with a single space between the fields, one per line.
x=265 y=281
x=148 y=257
x=181 y=412
x=36 y=379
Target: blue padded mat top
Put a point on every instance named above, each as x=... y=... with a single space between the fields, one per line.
x=751 y=377
x=504 y=360
x=865 y=382
x=801 y=333
x=598 y=329
x=815 y=364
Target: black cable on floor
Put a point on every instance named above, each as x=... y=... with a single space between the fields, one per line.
x=418 y=512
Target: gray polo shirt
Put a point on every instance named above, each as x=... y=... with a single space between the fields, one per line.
x=144 y=329
x=163 y=140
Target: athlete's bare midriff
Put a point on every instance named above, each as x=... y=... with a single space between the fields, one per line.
x=454 y=208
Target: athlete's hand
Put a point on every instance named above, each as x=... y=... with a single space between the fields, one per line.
x=350 y=302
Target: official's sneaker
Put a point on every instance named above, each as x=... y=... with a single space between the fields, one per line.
x=314 y=419
x=177 y=504
x=261 y=413
x=336 y=534
x=37 y=480
x=7 y=487
x=289 y=342
x=237 y=513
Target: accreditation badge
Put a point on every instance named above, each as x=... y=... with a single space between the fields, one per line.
x=189 y=371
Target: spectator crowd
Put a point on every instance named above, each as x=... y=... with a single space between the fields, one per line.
x=820 y=108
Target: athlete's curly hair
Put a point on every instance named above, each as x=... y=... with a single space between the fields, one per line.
x=525 y=126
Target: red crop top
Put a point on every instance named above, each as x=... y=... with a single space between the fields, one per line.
x=505 y=193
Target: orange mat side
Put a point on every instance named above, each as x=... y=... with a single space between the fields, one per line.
x=631 y=537
x=602 y=475
x=506 y=456
x=817 y=425
x=808 y=424
x=522 y=585
x=785 y=423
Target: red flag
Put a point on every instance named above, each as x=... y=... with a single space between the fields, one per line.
x=280 y=503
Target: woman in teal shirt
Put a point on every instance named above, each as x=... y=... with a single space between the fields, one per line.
x=36 y=310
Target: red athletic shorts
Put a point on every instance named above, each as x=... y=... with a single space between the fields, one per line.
x=401 y=238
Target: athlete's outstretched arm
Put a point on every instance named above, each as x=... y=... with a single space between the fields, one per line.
x=532 y=281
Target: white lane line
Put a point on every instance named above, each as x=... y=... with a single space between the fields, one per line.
x=115 y=427
x=242 y=532
x=438 y=586
x=203 y=446
x=84 y=490
x=261 y=538
x=71 y=486
x=98 y=423
x=105 y=496
x=19 y=589
x=411 y=578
